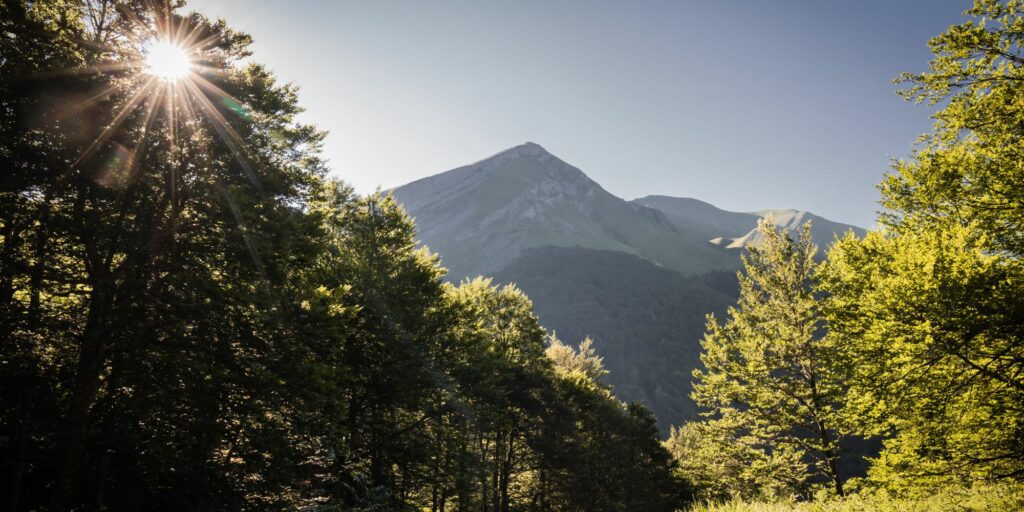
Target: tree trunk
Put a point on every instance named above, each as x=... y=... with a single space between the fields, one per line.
x=830 y=459
x=11 y=235
x=499 y=448
x=506 y=471
x=36 y=278
x=836 y=481
x=20 y=433
x=91 y=358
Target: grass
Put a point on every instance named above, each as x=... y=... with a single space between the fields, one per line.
x=996 y=498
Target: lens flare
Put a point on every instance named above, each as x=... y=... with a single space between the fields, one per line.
x=167 y=61
x=169 y=81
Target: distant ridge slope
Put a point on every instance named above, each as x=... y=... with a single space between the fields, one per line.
x=646 y=320
x=734 y=230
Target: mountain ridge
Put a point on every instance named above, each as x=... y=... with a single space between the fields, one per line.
x=480 y=216
x=736 y=230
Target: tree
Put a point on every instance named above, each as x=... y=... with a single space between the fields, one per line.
x=512 y=372
x=583 y=361
x=150 y=230
x=768 y=381
x=597 y=452
x=720 y=468
x=929 y=327
x=969 y=169
x=928 y=309
x=387 y=356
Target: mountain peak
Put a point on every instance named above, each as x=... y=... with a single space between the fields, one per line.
x=532 y=146
x=481 y=216
x=526 y=149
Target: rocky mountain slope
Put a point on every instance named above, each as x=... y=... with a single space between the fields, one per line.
x=481 y=216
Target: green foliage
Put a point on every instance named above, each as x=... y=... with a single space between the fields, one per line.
x=929 y=326
x=983 y=498
x=143 y=275
x=581 y=363
x=928 y=311
x=722 y=466
x=970 y=168
x=769 y=383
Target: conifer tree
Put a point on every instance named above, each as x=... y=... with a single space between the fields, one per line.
x=768 y=380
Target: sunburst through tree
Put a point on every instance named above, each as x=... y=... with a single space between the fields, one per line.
x=162 y=64
x=149 y=219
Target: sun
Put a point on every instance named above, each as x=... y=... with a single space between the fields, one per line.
x=167 y=60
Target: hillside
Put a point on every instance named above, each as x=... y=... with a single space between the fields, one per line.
x=646 y=320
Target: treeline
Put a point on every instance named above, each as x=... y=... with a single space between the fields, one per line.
x=913 y=335
x=193 y=317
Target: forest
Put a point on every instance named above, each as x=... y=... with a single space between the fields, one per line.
x=195 y=314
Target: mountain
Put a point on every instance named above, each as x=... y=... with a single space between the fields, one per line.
x=481 y=216
x=637 y=276
x=735 y=230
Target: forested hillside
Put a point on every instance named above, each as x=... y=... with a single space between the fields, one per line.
x=648 y=319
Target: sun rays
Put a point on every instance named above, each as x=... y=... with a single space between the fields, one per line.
x=164 y=69
x=167 y=60
x=161 y=102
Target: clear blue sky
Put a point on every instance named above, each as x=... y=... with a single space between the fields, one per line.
x=747 y=105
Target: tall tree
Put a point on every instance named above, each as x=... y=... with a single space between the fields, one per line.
x=768 y=379
x=929 y=328
x=513 y=373
x=391 y=360
x=150 y=228
x=928 y=310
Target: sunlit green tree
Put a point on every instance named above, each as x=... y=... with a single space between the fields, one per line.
x=928 y=310
x=970 y=168
x=769 y=382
